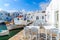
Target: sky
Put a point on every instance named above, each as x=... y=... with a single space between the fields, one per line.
x=28 y=5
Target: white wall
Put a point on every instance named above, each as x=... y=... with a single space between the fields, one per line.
x=59 y=12
x=40 y=17
x=53 y=6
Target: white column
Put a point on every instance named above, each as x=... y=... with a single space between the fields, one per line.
x=59 y=14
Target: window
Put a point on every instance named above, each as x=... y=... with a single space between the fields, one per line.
x=0 y=18
x=42 y=17
x=18 y=18
x=56 y=15
x=37 y=18
x=31 y=16
x=1 y=14
x=43 y=11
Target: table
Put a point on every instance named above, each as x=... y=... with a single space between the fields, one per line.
x=33 y=26
x=49 y=27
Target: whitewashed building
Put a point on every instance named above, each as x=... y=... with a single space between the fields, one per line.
x=5 y=15
x=53 y=12
x=30 y=15
x=41 y=16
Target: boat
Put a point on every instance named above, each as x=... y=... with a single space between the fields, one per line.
x=1 y=21
x=3 y=28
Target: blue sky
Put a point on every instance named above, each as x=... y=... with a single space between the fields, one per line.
x=28 y=5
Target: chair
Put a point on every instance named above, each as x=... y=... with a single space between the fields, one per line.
x=54 y=34
x=59 y=34
x=43 y=34
x=27 y=33
x=34 y=33
x=48 y=34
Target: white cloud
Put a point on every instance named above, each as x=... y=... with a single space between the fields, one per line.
x=12 y=10
x=0 y=9
x=23 y=10
x=34 y=2
x=6 y=4
x=43 y=5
